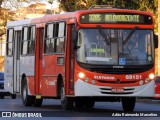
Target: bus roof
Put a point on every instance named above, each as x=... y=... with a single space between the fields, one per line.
x=66 y=15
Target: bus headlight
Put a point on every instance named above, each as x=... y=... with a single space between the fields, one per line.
x=151 y=76
x=81 y=75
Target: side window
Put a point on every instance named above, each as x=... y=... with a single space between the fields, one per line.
x=28 y=40
x=31 y=40
x=10 y=34
x=24 y=41
x=54 y=38
x=59 y=37
x=49 y=40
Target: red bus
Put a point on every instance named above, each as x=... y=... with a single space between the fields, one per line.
x=82 y=57
x=157 y=87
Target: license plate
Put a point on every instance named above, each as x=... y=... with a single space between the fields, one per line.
x=119 y=90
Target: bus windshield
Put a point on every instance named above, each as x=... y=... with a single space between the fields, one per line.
x=112 y=47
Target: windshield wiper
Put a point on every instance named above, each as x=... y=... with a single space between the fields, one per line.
x=101 y=32
x=130 y=34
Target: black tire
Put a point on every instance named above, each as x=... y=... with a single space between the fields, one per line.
x=82 y=103
x=38 y=102
x=13 y=96
x=89 y=104
x=26 y=99
x=79 y=104
x=128 y=104
x=2 y=97
x=66 y=102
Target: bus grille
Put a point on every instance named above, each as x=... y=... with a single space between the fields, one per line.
x=109 y=91
x=114 y=82
x=124 y=93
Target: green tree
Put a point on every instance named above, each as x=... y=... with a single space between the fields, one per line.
x=72 y=5
x=1 y=3
x=16 y=4
x=4 y=13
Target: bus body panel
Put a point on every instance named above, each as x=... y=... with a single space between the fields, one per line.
x=42 y=70
x=157 y=90
x=8 y=83
x=27 y=65
x=48 y=86
x=98 y=84
x=110 y=79
x=31 y=85
x=49 y=76
x=157 y=87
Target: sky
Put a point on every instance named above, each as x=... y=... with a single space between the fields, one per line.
x=49 y=6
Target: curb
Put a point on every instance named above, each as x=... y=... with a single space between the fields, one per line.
x=148 y=100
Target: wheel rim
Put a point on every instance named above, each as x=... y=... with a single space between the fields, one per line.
x=24 y=93
x=62 y=95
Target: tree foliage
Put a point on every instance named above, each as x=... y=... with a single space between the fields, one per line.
x=72 y=5
x=4 y=12
x=4 y=18
x=16 y=4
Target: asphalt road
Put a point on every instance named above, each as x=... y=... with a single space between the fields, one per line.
x=52 y=110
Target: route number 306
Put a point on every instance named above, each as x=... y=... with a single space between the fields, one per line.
x=134 y=77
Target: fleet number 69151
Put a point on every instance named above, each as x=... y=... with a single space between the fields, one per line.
x=134 y=77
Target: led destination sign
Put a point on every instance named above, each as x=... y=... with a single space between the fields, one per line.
x=122 y=18
x=116 y=18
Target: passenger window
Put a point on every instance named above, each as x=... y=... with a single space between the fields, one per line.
x=49 y=30
x=54 y=38
x=31 y=40
x=28 y=40
x=59 y=45
x=24 y=48
x=61 y=29
x=60 y=34
x=49 y=46
x=10 y=34
x=49 y=40
x=25 y=33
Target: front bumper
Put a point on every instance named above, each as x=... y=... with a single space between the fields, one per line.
x=85 y=89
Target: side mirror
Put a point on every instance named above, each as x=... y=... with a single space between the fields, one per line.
x=156 y=41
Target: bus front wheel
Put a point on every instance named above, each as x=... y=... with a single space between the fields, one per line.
x=66 y=102
x=13 y=96
x=81 y=103
x=128 y=104
x=26 y=99
x=2 y=96
x=89 y=104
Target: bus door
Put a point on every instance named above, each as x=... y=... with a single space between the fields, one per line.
x=38 y=59
x=69 y=56
x=16 y=61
